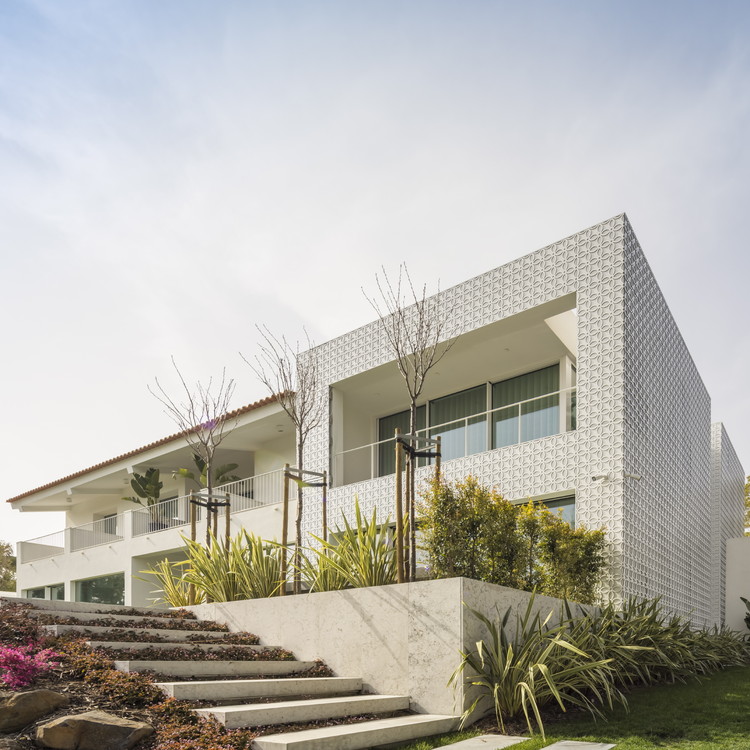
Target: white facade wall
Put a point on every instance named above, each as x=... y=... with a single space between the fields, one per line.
x=727 y=511
x=642 y=409
x=667 y=428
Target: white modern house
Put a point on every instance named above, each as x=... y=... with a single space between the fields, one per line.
x=569 y=383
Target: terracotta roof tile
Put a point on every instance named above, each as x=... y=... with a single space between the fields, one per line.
x=230 y=415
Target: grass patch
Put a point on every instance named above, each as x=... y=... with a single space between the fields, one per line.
x=710 y=714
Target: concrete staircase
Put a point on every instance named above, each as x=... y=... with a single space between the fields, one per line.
x=262 y=692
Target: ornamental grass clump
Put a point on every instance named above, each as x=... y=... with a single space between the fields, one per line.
x=356 y=556
x=527 y=663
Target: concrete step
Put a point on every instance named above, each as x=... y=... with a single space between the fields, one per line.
x=217 y=668
x=143 y=645
x=304 y=711
x=49 y=604
x=365 y=734
x=171 y=636
x=222 y=690
x=84 y=617
x=487 y=742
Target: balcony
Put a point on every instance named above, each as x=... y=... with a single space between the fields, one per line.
x=550 y=414
x=244 y=495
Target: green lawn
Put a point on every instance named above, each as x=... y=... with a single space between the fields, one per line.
x=713 y=714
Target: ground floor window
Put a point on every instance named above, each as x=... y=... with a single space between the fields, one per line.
x=103 y=590
x=39 y=593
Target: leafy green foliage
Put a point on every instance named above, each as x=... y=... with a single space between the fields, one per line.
x=747 y=614
x=7 y=567
x=470 y=530
x=585 y=660
x=147 y=487
x=246 y=568
x=520 y=669
x=221 y=474
x=356 y=556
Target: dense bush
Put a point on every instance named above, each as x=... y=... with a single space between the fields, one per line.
x=526 y=662
x=470 y=530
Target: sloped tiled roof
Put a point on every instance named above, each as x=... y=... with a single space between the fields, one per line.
x=229 y=415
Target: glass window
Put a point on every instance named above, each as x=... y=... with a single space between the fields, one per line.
x=462 y=433
x=35 y=593
x=532 y=414
x=103 y=590
x=386 y=427
x=565 y=507
x=57 y=592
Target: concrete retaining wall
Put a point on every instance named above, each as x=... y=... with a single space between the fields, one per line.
x=402 y=639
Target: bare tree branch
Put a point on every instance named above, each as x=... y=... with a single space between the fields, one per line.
x=419 y=331
x=201 y=414
x=294 y=378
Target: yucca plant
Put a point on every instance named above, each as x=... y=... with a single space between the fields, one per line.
x=518 y=670
x=361 y=554
x=319 y=573
x=173 y=588
x=256 y=565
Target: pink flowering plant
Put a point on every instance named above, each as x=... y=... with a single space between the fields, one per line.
x=20 y=665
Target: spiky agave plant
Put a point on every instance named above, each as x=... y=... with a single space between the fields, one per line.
x=518 y=670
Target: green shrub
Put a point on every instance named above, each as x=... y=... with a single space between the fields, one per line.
x=470 y=530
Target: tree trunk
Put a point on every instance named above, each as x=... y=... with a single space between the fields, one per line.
x=298 y=536
x=412 y=499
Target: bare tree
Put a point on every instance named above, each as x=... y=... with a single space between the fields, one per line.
x=201 y=414
x=419 y=331
x=294 y=378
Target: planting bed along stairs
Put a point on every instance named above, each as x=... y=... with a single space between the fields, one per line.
x=261 y=692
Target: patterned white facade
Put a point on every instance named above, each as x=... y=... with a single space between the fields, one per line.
x=727 y=510
x=642 y=409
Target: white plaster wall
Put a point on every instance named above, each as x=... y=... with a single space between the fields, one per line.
x=738 y=582
x=128 y=554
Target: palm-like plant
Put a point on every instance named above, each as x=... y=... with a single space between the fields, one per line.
x=518 y=670
x=220 y=475
x=358 y=555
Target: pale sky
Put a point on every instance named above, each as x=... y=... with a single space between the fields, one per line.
x=174 y=172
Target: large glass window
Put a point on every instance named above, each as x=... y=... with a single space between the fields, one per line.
x=461 y=433
x=528 y=412
x=386 y=429
x=103 y=590
x=522 y=408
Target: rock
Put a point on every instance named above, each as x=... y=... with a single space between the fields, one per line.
x=93 y=730
x=6 y=744
x=17 y=710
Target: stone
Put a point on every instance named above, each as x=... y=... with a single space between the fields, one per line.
x=487 y=742
x=93 y=730
x=7 y=744
x=18 y=710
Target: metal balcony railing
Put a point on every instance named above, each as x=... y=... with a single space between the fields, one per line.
x=244 y=494
x=542 y=416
